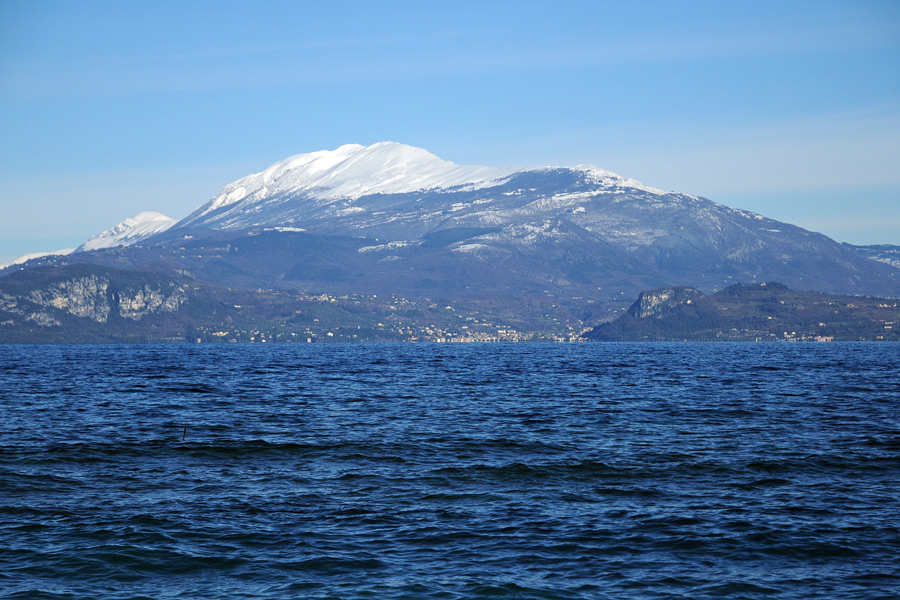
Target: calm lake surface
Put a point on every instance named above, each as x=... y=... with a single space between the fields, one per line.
x=450 y=471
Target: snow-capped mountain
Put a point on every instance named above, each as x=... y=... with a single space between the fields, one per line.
x=394 y=218
x=360 y=186
x=130 y=231
x=578 y=227
x=34 y=255
x=400 y=194
x=319 y=179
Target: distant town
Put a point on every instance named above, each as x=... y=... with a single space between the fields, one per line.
x=92 y=303
x=402 y=321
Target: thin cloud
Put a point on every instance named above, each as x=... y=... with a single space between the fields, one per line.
x=393 y=58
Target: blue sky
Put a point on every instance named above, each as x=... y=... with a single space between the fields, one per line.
x=789 y=109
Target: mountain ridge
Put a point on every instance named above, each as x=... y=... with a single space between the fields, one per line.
x=132 y=230
x=582 y=237
x=767 y=311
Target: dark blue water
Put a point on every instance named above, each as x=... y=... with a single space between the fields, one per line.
x=438 y=471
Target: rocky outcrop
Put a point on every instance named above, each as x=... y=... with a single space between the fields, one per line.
x=146 y=300
x=752 y=312
x=681 y=311
x=82 y=296
x=81 y=302
x=653 y=302
x=8 y=303
x=43 y=319
x=93 y=297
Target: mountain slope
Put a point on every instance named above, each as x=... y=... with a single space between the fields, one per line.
x=403 y=196
x=390 y=218
x=33 y=256
x=130 y=231
x=759 y=312
x=98 y=303
x=885 y=253
x=319 y=179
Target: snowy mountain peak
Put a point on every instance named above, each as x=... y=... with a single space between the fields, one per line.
x=33 y=255
x=352 y=170
x=130 y=231
x=608 y=178
x=301 y=189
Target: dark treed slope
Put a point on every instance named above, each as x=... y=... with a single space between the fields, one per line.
x=91 y=303
x=764 y=312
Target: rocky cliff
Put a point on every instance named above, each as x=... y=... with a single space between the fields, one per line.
x=70 y=299
x=753 y=312
x=654 y=302
x=92 y=297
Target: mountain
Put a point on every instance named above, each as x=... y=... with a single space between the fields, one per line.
x=129 y=232
x=292 y=188
x=570 y=229
x=565 y=244
x=92 y=303
x=33 y=256
x=885 y=253
x=390 y=190
x=758 y=312
x=62 y=303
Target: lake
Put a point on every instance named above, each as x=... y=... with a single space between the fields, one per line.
x=450 y=471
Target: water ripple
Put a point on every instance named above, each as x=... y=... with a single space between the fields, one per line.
x=495 y=471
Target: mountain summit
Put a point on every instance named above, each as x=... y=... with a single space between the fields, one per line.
x=130 y=231
x=349 y=172
x=353 y=179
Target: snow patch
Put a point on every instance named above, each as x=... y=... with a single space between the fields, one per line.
x=469 y=248
x=129 y=232
x=352 y=170
x=606 y=178
x=33 y=255
x=389 y=246
x=350 y=210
